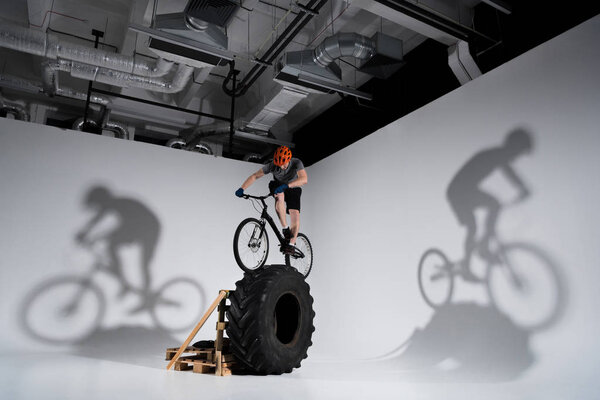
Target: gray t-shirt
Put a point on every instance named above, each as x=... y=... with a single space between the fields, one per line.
x=284 y=175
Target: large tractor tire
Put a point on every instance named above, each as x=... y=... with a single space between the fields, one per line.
x=271 y=320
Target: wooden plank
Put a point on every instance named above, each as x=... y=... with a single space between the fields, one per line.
x=197 y=361
x=202 y=352
x=221 y=326
x=219 y=363
x=220 y=321
x=202 y=368
x=182 y=366
x=222 y=295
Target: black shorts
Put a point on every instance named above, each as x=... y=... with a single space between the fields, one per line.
x=292 y=195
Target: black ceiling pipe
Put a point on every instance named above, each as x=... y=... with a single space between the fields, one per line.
x=275 y=49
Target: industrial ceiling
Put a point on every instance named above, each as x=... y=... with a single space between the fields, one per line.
x=237 y=78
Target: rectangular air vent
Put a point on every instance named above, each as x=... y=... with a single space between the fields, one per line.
x=218 y=12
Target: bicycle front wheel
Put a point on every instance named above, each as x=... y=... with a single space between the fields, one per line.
x=250 y=245
x=436 y=281
x=302 y=260
x=527 y=287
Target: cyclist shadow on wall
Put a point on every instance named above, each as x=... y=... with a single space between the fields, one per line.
x=524 y=287
x=77 y=309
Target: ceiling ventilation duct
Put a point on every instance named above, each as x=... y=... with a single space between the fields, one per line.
x=253 y=157
x=18 y=111
x=387 y=59
x=174 y=84
x=24 y=85
x=181 y=143
x=462 y=63
x=217 y=12
x=268 y=114
x=120 y=130
x=381 y=56
x=195 y=36
x=43 y=44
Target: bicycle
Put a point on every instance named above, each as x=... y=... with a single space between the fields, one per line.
x=67 y=309
x=521 y=281
x=251 y=243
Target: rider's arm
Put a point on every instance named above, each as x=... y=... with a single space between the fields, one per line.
x=515 y=180
x=257 y=175
x=81 y=235
x=301 y=180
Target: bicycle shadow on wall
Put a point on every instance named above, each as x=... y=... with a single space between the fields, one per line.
x=524 y=287
x=101 y=310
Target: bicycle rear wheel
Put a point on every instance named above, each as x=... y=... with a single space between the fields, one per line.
x=63 y=310
x=250 y=245
x=302 y=262
x=436 y=282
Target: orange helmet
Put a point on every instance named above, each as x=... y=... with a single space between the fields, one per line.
x=282 y=155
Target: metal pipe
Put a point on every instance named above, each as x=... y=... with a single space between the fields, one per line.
x=25 y=85
x=74 y=94
x=154 y=103
x=21 y=84
x=179 y=80
x=203 y=148
x=120 y=129
x=80 y=122
x=176 y=142
x=18 y=111
x=48 y=45
x=343 y=45
x=198 y=148
x=253 y=157
x=275 y=49
x=195 y=24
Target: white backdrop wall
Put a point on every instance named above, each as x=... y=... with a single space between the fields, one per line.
x=381 y=202
x=45 y=174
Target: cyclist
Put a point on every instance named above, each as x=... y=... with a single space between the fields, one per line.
x=288 y=175
x=137 y=225
x=465 y=195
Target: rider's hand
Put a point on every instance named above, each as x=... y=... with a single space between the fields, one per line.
x=239 y=192
x=280 y=189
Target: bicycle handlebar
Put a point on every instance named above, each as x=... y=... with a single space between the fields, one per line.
x=248 y=196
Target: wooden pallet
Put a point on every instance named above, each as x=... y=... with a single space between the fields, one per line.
x=215 y=359
x=205 y=363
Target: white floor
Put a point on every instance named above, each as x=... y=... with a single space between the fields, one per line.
x=64 y=376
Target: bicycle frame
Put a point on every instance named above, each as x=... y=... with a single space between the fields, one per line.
x=265 y=216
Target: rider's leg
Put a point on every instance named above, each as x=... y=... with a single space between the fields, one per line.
x=470 y=224
x=114 y=266
x=147 y=249
x=280 y=208
x=493 y=210
x=295 y=225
